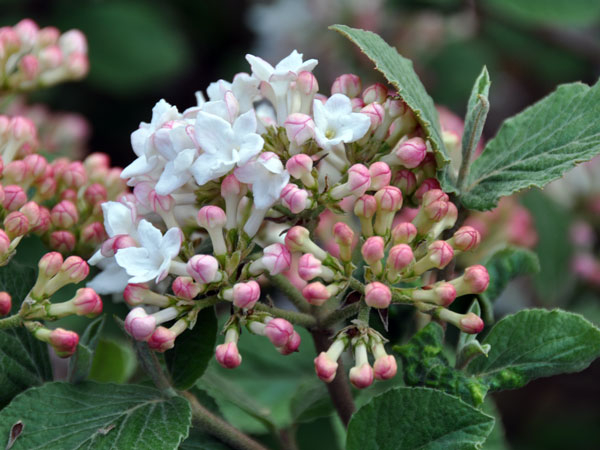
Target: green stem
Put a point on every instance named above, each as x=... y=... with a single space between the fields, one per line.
x=340 y=314
x=297 y=318
x=356 y=285
x=11 y=322
x=293 y=294
x=217 y=427
x=364 y=311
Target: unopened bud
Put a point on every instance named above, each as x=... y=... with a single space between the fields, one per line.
x=87 y=302
x=378 y=295
x=64 y=214
x=348 y=84
x=5 y=303
x=204 y=269
x=139 y=324
x=300 y=128
x=375 y=93
x=185 y=287
x=344 y=237
x=245 y=295
x=381 y=175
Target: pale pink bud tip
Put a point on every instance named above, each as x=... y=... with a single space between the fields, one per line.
x=185 y=287
x=471 y=323
x=466 y=238
x=245 y=295
x=361 y=377
x=378 y=295
x=446 y=292
x=347 y=84
x=343 y=234
x=210 y=217
x=228 y=355
x=231 y=186
x=203 y=268
x=359 y=179
x=316 y=293
x=292 y=344
x=389 y=198
x=373 y=250
x=400 y=257
x=5 y=303
x=411 y=153
x=134 y=294
x=50 y=264
x=276 y=258
x=299 y=165
x=385 y=367
x=75 y=268
x=64 y=342
x=309 y=267
x=441 y=253
x=279 y=331
x=381 y=175
x=300 y=128
x=162 y=339
x=296 y=237
x=325 y=367
x=365 y=206
x=139 y=324
x=477 y=277
x=87 y=302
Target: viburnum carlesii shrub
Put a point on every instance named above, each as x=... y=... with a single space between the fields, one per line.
x=294 y=211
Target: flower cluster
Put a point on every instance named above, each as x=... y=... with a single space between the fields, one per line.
x=31 y=56
x=270 y=181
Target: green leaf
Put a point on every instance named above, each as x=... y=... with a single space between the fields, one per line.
x=496 y=439
x=504 y=266
x=537 y=145
x=24 y=360
x=417 y=418
x=424 y=364
x=199 y=440
x=311 y=401
x=81 y=362
x=399 y=71
x=477 y=111
x=99 y=416
x=536 y=343
x=193 y=350
x=557 y=12
x=113 y=362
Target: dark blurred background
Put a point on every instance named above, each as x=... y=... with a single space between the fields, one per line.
x=144 y=50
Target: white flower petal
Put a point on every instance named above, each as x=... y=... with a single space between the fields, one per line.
x=210 y=167
x=140 y=166
x=260 y=68
x=213 y=133
x=149 y=236
x=171 y=243
x=250 y=146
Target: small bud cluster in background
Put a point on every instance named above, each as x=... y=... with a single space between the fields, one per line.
x=32 y=57
x=270 y=180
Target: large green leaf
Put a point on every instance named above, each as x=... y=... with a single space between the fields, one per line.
x=96 y=416
x=537 y=145
x=193 y=350
x=536 y=343
x=81 y=362
x=399 y=71
x=114 y=361
x=417 y=418
x=424 y=364
x=24 y=360
x=547 y=12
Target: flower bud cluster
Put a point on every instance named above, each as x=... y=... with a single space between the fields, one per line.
x=31 y=56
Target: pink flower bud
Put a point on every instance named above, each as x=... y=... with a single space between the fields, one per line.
x=477 y=278
x=306 y=83
x=296 y=238
x=30 y=66
x=16 y=171
x=375 y=93
x=436 y=211
x=316 y=293
x=5 y=303
x=4 y=242
x=411 y=153
x=300 y=128
x=432 y=196
x=389 y=199
x=14 y=197
x=50 y=264
x=73 y=41
x=228 y=355
x=381 y=175
x=47 y=187
x=51 y=57
x=404 y=233
x=385 y=367
x=93 y=233
x=69 y=195
x=373 y=250
x=359 y=179
x=378 y=295
x=365 y=206
x=162 y=339
x=139 y=324
x=325 y=367
x=343 y=234
x=63 y=241
x=375 y=112
x=16 y=224
x=296 y=200
x=279 y=331
x=48 y=36
x=211 y=217
x=23 y=129
x=309 y=267
x=36 y=165
x=276 y=258
x=245 y=295
x=299 y=165
x=400 y=257
x=466 y=238
x=74 y=175
x=27 y=30
x=426 y=185
x=87 y=302
x=160 y=203
x=446 y=293
x=292 y=344
x=135 y=294
x=396 y=107
x=348 y=84
x=203 y=268
x=78 y=65
x=406 y=181
x=471 y=323
x=440 y=254
x=231 y=186
x=64 y=214
x=361 y=377
x=185 y=287
x=43 y=222
x=75 y=268
x=95 y=193
x=64 y=342
x=96 y=161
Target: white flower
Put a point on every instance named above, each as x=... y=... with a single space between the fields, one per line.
x=118 y=219
x=335 y=123
x=177 y=147
x=142 y=140
x=153 y=259
x=112 y=279
x=244 y=88
x=279 y=78
x=267 y=177
x=224 y=145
